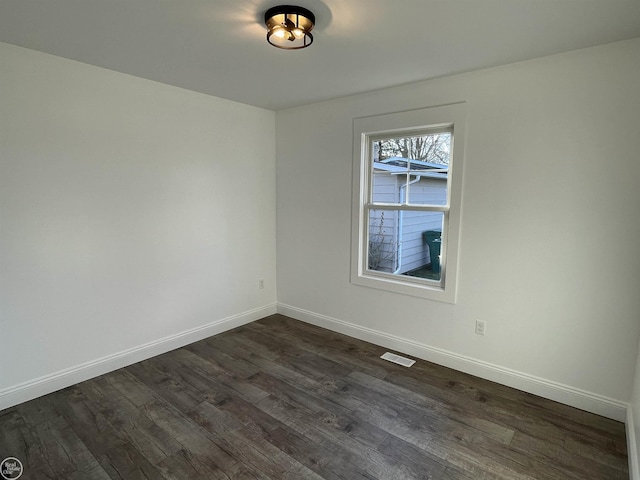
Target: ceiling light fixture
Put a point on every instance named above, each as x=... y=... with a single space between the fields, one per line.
x=289 y=27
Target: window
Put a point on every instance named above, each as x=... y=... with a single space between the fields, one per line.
x=406 y=206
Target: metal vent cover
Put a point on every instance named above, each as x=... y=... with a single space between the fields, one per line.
x=392 y=357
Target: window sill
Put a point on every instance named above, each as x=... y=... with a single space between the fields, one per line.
x=391 y=283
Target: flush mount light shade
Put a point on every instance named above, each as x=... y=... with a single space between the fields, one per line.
x=289 y=27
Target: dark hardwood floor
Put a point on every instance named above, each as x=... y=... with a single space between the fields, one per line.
x=280 y=399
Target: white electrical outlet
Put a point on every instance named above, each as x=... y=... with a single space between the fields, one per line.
x=481 y=327
x=261 y=283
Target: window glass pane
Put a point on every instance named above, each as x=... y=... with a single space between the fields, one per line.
x=421 y=245
x=383 y=240
x=404 y=242
x=419 y=165
x=428 y=189
x=385 y=187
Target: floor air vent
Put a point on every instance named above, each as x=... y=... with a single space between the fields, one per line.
x=392 y=357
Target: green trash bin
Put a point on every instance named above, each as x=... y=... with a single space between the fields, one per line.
x=433 y=239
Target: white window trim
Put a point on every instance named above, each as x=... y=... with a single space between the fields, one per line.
x=446 y=116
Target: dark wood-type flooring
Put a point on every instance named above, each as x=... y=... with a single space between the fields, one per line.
x=281 y=399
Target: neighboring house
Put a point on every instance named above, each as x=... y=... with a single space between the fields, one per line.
x=395 y=238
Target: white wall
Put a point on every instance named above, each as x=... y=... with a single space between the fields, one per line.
x=130 y=212
x=121 y=225
x=550 y=231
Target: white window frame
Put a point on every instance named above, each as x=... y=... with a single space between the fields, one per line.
x=365 y=130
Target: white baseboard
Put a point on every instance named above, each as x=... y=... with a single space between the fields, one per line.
x=632 y=445
x=591 y=402
x=50 y=383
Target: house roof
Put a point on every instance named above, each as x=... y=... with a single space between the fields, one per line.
x=398 y=165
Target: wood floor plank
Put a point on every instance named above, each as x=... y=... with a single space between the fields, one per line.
x=383 y=394
x=249 y=445
x=207 y=377
x=307 y=452
x=281 y=399
x=443 y=440
x=336 y=438
x=19 y=441
x=583 y=447
x=130 y=387
x=235 y=366
x=496 y=409
x=249 y=414
x=354 y=354
x=184 y=464
x=167 y=383
x=335 y=389
x=421 y=462
x=237 y=344
x=202 y=453
x=66 y=453
x=572 y=464
x=141 y=432
x=37 y=411
x=118 y=457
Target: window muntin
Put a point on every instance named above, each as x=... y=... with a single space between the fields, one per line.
x=407 y=209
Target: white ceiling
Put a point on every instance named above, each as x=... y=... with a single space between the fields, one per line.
x=218 y=47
